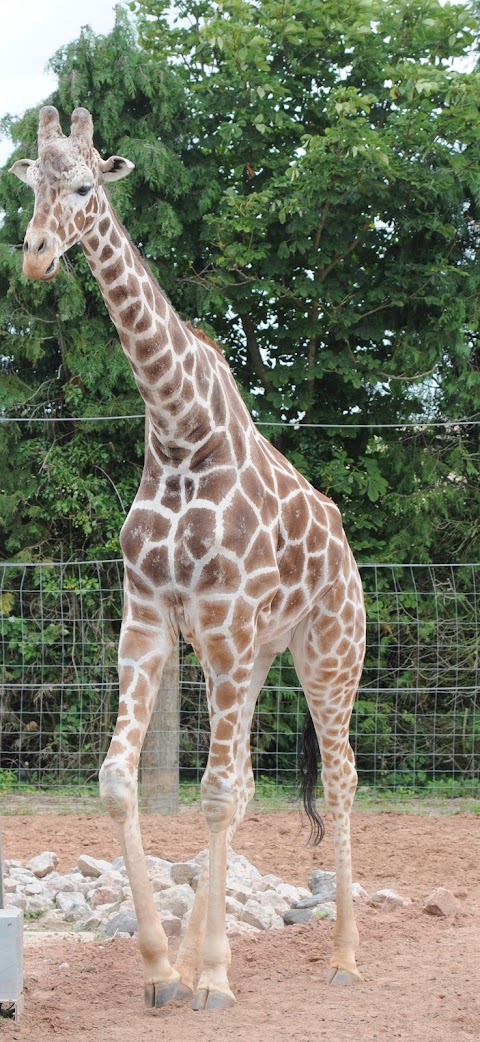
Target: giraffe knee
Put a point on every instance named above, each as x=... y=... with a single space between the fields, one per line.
x=219 y=803
x=117 y=790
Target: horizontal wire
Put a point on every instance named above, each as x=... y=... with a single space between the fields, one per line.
x=401 y=425
x=119 y=561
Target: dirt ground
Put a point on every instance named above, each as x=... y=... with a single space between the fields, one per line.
x=420 y=972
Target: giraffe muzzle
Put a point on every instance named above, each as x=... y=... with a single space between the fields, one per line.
x=40 y=260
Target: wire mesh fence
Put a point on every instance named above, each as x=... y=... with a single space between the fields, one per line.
x=416 y=721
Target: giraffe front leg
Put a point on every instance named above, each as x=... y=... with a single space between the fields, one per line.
x=142 y=656
x=190 y=951
x=213 y=989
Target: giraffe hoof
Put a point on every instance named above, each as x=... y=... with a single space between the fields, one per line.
x=183 y=991
x=157 y=995
x=212 y=1000
x=342 y=977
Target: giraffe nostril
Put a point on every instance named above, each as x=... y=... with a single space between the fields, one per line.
x=41 y=246
x=25 y=246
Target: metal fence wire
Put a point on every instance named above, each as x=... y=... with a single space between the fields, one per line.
x=416 y=720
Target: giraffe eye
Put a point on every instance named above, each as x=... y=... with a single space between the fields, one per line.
x=84 y=189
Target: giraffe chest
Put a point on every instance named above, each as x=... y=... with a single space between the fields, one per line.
x=164 y=546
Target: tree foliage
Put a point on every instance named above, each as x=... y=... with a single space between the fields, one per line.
x=306 y=185
x=65 y=488
x=340 y=230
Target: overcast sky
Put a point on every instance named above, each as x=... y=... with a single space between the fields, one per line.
x=31 y=32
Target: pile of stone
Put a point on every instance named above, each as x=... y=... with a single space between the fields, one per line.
x=96 y=896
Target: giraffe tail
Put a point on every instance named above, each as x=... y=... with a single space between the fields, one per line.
x=308 y=774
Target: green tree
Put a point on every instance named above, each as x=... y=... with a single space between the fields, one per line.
x=306 y=184
x=65 y=487
x=339 y=234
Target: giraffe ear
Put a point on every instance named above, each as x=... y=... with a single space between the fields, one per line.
x=21 y=169
x=114 y=168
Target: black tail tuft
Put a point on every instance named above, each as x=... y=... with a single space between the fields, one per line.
x=308 y=768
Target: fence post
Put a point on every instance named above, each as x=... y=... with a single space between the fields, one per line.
x=160 y=754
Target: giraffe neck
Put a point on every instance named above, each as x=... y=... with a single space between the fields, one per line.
x=176 y=373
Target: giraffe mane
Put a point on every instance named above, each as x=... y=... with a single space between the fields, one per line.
x=201 y=335
x=198 y=333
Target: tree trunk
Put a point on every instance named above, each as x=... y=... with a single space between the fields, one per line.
x=160 y=754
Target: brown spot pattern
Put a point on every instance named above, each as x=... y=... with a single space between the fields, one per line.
x=279 y=560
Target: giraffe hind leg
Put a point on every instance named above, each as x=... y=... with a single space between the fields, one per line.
x=328 y=650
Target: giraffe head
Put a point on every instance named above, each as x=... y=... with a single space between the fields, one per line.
x=66 y=180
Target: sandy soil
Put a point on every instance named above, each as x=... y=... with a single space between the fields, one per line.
x=420 y=972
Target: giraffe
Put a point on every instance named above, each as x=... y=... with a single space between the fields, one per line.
x=225 y=543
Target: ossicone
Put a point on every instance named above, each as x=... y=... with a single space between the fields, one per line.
x=48 y=125
x=82 y=126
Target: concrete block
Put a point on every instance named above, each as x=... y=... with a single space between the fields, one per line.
x=11 y=957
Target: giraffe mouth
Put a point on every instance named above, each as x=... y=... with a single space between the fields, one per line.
x=51 y=271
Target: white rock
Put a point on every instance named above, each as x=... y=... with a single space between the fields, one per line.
x=73 y=906
x=93 y=922
x=239 y=892
x=442 y=902
x=326 y=910
x=160 y=872
x=268 y=882
x=271 y=899
x=56 y=883
x=388 y=900
x=236 y=928
x=9 y=863
x=172 y=924
x=264 y=918
x=185 y=872
x=35 y=887
x=111 y=879
x=124 y=921
x=10 y=886
x=85 y=887
x=178 y=900
x=39 y=903
x=241 y=867
x=22 y=875
x=233 y=907
x=277 y=922
x=44 y=863
x=160 y=882
x=359 y=892
x=15 y=901
x=105 y=911
x=291 y=894
x=102 y=895
x=323 y=884
x=92 y=866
